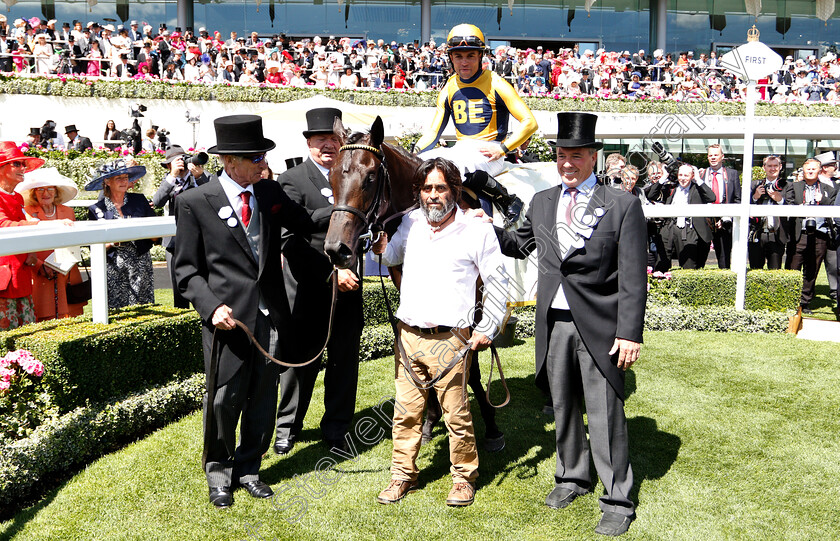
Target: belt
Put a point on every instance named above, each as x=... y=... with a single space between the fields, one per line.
x=431 y=330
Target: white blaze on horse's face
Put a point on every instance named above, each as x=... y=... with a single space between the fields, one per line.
x=323 y=148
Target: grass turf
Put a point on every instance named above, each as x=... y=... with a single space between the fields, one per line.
x=732 y=437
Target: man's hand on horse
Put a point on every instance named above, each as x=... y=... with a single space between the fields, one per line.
x=479 y=214
x=223 y=318
x=379 y=246
x=628 y=352
x=479 y=341
x=347 y=280
x=492 y=152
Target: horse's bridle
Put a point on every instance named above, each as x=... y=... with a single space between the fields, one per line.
x=370 y=217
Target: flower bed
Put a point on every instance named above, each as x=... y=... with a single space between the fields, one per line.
x=82 y=86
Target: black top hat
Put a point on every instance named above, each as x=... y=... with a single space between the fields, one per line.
x=69 y=128
x=171 y=153
x=240 y=134
x=576 y=130
x=320 y=120
x=35 y=131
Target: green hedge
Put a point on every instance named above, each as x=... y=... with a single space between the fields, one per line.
x=90 y=362
x=78 y=165
x=30 y=467
x=142 y=90
x=714 y=318
x=777 y=290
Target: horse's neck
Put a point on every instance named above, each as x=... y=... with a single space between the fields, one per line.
x=401 y=166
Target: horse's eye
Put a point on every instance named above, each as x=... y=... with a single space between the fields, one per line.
x=369 y=179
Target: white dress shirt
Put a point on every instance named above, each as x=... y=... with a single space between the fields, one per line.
x=232 y=191
x=440 y=270
x=581 y=201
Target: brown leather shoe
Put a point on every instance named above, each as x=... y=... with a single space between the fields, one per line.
x=461 y=494
x=396 y=490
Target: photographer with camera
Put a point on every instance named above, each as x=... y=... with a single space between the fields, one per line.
x=768 y=236
x=657 y=176
x=613 y=164
x=812 y=235
x=687 y=238
x=184 y=171
x=50 y=138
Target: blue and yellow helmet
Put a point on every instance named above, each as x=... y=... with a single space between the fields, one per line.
x=466 y=37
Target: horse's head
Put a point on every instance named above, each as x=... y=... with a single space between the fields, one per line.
x=356 y=184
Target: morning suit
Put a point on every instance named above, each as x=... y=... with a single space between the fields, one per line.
x=306 y=274
x=810 y=248
x=218 y=262
x=605 y=285
x=690 y=244
x=722 y=237
x=80 y=143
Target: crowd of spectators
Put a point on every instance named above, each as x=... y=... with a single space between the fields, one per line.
x=138 y=51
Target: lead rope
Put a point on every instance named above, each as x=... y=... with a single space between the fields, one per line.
x=214 y=366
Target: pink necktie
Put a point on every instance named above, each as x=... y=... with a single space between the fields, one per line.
x=246 y=208
x=715 y=187
x=570 y=207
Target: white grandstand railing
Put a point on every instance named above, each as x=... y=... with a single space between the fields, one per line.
x=15 y=240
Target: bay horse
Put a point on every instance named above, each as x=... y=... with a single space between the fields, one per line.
x=372 y=185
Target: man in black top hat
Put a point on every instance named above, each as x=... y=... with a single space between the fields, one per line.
x=228 y=264
x=306 y=272
x=588 y=235
x=180 y=176
x=76 y=141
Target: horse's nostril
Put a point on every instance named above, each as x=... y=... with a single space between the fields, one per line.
x=340 y=254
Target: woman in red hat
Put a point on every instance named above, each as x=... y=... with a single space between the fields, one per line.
x=16 y=307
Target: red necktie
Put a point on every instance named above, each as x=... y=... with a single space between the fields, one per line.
x=570 y=208
x=246 y=208
x=715 y=186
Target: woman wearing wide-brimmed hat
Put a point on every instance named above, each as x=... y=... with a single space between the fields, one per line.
x=15 y=270
x=130 y=277
x=44 y=193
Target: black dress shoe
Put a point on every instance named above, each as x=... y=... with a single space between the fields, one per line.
x=613 y=524
x=806 y=311
x=258 y=489
x=283 y=446
x=221 y=497
x=560 y=497
x=337 y=444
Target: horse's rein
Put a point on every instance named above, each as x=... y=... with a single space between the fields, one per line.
x=214 y=363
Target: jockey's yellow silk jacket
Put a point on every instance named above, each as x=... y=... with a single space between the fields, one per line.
x=481 y=108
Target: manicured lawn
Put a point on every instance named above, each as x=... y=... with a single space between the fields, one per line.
x=732 y=437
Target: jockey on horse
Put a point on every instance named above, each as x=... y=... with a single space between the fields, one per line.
x=480 y=102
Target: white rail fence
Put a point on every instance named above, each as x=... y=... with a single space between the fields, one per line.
x=16 y=240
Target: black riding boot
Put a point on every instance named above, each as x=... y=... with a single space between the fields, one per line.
x=480 y=182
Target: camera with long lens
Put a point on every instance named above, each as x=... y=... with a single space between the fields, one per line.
x=200 y=158
x=810 y=225
x=672 y=165
x=775 y=185
x=136 y=110
x=163 y=138
x=48 y=132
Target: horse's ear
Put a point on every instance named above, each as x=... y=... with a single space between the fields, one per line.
x=339 y=130
x=377 y=132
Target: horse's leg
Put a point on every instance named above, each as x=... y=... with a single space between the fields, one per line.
x=433 y=415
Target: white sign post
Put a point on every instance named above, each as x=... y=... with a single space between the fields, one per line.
x=750 y=61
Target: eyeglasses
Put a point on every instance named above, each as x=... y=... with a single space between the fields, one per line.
x=258 y=158
x=20 y=164
x=48 y=189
